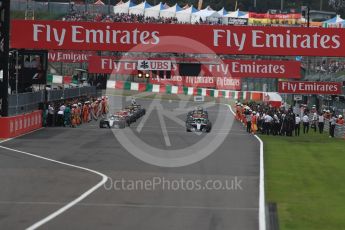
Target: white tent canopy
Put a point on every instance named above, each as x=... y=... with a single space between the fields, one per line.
x=206 y=14
x=154 y=10
x=185 y=15
x=166 y=6
x=336 y=19
x=170 y=12
x=237 y=14
x=99 y=2
x=139 y=9
x=333 y=22
x=123 y=8
x=223 y=12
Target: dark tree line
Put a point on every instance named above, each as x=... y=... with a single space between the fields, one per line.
x=338 y=6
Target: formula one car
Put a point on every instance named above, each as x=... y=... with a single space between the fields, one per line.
x=199 y=110
x=136 y=111
x=117 y=120
x=123 y=118
x=198 y=121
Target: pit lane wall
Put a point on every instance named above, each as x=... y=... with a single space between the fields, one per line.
x=20 y=124
x=172 y=89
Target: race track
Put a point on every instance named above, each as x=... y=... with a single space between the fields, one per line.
x=32 y=188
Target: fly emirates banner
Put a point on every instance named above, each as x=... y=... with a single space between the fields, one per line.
x=227 y=68
x=310 y=87
x=136 y=37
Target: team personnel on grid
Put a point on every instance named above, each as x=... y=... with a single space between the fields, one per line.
x=321 y=122
x=333 y=122
x=305 y=120
x=297 y=125
x=249 y=121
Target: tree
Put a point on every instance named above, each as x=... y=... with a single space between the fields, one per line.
x=338 y=6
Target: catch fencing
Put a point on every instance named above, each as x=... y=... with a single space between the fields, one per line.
x=28 y=102
x=24 y=102
x=55 y=95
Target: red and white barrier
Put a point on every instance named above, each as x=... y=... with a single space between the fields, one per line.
x=20 y=124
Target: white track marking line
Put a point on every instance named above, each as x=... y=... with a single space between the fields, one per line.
x=262 y=213
x=175 y=119
x=73 y=202
x=133 y=205
x=145 y=117
x=163 y=127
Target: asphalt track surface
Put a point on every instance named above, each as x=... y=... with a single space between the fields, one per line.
x=33 y=188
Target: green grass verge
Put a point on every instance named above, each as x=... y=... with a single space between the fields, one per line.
x=39 y=15
x=305 y=176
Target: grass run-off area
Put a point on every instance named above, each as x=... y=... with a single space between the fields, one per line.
x=305 y=176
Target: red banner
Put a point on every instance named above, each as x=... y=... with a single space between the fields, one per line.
x=309 y=87
x=228 y=83
x=261 y=68
x=285 y=16
x=257 y=15
x=20 y=124
x=228 y=68
x=177 y=38
x=274 y=16
x=224 y=83
x=69 y=56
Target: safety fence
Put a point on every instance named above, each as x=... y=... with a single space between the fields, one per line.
x=24 y=102
x=54 y=95
x=27 y=102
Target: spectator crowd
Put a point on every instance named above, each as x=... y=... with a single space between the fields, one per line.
x=330 y=67
x=128 y=18
x=285 y=122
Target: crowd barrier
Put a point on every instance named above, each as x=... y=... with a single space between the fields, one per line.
x=17 y=125
x=339 y=131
